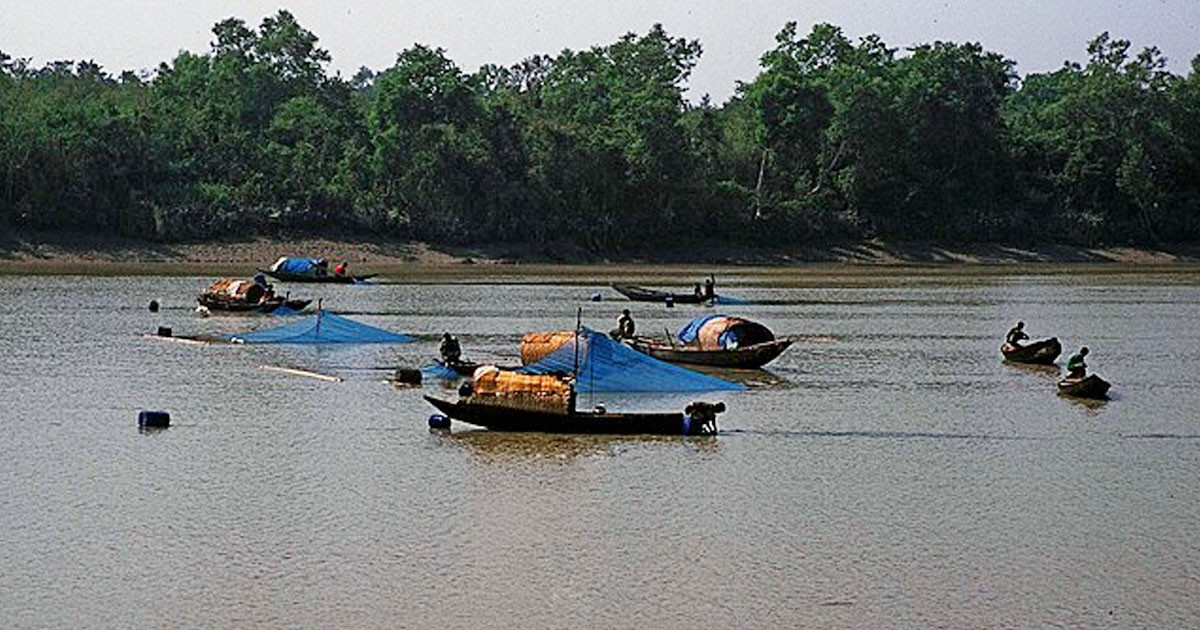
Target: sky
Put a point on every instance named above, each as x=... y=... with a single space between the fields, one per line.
x=1038 y=34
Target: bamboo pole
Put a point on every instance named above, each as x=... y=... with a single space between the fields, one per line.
x=297 y=372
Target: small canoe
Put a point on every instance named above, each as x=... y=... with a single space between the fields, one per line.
x=219 y=302
x=329 y=277
x=1088 y=387
x=752 y=356
x=1039 y=352
x=497 y=418
x=642 y=294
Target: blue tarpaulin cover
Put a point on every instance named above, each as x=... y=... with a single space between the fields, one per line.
x=300 y=266
x=324 y=327
x=607 y=366
x=688 y=333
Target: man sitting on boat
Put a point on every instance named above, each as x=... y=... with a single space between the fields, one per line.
x=1016 y=335
x=340 y=269
x=1076 y=368
x=450 y=350
x=625 y=326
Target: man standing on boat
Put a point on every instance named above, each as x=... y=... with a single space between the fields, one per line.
x=710 y=288
x=1016 y=335
x=625 y=325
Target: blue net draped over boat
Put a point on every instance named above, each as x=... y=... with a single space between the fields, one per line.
x=607 y=366
x=324 y=327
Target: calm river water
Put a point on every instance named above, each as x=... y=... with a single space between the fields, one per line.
x=889 y=470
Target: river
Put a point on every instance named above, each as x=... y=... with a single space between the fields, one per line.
x=889 y=470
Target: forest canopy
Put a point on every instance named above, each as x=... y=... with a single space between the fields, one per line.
x=834 y=139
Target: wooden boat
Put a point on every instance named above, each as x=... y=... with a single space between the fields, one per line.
x=1040 y=352
x=642 y=294
x=331 y=277
x=221 y=302
x=499 y=418
x=751 y=356
x=1088 y=387
x=467 y=368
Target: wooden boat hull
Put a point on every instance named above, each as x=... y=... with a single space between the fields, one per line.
x=754 y=356
x=1088 y=387
x=331 y=278
x=236 y=306
x=1039 y=353
x=467 y=368
x=642 y=294
x=502 y=419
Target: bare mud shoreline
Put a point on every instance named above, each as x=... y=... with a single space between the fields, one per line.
x=71 y=253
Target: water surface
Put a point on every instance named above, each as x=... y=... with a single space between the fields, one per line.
x=887 y=471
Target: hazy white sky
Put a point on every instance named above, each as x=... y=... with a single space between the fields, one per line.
x=1038 y=34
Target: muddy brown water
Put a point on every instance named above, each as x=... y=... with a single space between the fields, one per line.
x=889 y=470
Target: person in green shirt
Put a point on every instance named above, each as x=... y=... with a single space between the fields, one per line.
x=1076 y=368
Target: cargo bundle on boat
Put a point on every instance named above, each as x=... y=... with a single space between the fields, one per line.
x=717 y=340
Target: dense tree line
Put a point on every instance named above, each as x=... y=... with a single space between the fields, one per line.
x=834 y=139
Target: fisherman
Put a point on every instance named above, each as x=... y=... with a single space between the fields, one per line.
x=340 y=269
x=268 y=290
x=1076 y=368
x=261 y=280
x=710 y=288
x=625 y=325
x=1016 y=335
x=449 y=348
x=699 y=292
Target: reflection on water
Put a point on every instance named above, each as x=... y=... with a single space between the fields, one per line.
x=889 y=469
x=490 y=445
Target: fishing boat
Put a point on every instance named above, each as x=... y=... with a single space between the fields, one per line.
x=245 y=296
x=746 y=357
x=1040 y=352
x=465 y=367
x=716 y=340
x=500 y=418
x=642 y=294
x=1088 y=387
x=310 y=270
x=270 y=305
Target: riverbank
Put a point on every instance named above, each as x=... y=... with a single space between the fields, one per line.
x=83 y=253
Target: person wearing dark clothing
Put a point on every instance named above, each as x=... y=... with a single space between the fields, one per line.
x=450 y=350
x=1016 y=335
x=699 y=292
x=710 y=288
x=625 y=325
x=1076 y=368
